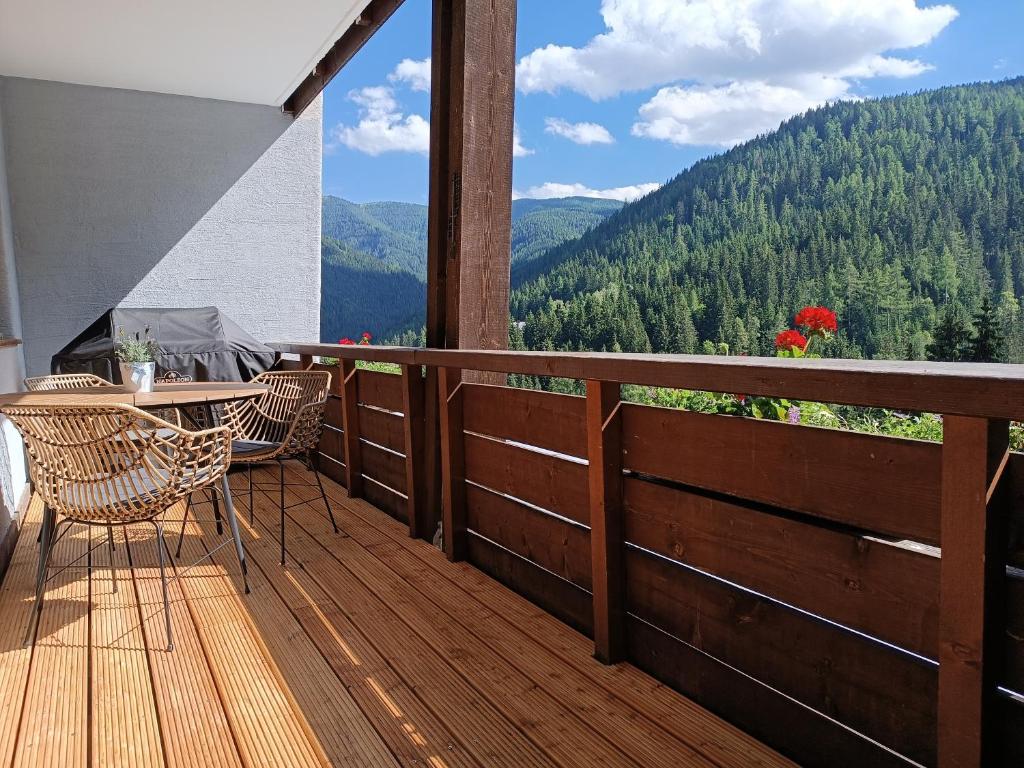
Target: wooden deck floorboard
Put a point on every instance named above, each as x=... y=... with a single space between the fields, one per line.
x=367 y=649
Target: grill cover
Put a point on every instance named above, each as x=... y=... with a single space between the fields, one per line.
x=198 y=342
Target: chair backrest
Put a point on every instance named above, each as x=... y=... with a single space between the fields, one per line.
x=114 y=463
x=64 y=381
x=291 y=410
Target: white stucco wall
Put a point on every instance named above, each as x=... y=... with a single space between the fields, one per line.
x=139 y=199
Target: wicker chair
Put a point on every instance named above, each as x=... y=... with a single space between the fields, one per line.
x=64 y=381
x=106 y=465
x=284 y=423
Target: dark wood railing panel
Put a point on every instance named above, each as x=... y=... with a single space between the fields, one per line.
x=332 y=411
x=792 y=728
x=559 y=597
x=382 y=390
x=543 y=419
x=887 y=695
x=552 y=543
x=1013 y=662
x=881 y=484
x=386 y=467
x=759 y=557
x=885 y=590
x=383 y=428
x=395 y=504
x=540 y=479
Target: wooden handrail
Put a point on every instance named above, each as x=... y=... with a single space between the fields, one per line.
x=989 y=390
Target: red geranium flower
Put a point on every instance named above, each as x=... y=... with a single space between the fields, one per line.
x=346 y=341
x=817 y=319
x=367 y=335
x=788 y=340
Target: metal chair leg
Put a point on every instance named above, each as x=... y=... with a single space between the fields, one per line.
x=229 y=507
x=316 y=473
x=49 y=536
x=110 y=536
x=280 y=463
x=216 y=511
x=160 y=546
x=252 y=508
x=184 y=519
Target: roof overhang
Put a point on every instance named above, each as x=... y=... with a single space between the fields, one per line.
x=254 y=51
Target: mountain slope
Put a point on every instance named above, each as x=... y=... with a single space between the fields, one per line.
x=891 y=211
x=374 y=257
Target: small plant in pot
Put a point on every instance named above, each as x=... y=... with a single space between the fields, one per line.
x=136 y=355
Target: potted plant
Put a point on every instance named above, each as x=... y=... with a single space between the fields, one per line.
x=136 y=357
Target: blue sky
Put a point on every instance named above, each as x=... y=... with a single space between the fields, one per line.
x=616 y=96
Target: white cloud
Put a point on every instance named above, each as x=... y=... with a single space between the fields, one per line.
x=518 y=150
x=382 y=126
x=580 y=133
x=795 y=52
x=552 y=189
x=414 y=72
x=729 y=114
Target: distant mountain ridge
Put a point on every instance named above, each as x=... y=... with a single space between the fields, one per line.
x=900 y=213
x=374 y=256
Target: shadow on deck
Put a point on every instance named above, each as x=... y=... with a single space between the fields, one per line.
x=368 y=649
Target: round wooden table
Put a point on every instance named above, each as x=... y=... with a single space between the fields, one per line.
x=193 y=394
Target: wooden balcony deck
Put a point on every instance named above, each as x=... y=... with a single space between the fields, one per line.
x=369 y=649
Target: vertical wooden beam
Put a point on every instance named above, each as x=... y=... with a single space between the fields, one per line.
x=350 y=423
x=453 y=463
x=974 y=456
x=470 y=213
x=469 y=217
x=413 y=408
x=305 y=362
x=604 y=453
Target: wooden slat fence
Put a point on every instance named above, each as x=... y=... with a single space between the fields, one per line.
x=790 y=578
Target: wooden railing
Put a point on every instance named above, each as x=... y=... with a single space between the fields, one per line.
x=788 y=577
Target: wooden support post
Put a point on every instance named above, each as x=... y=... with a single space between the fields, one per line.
x=413 y=423
x=604 y=453
x=305 y=362
x=453 y=463
x=974 y=457
x=350 y=423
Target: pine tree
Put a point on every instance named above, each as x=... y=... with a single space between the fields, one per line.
x=951 y=338
x=988 y=345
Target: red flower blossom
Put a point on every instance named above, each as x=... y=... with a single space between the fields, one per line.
x=346 y=341
x=367 y=335
x=817 y=319
x=788 y=340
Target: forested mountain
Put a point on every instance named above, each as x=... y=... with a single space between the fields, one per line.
x=374 y=257
x=898 y=213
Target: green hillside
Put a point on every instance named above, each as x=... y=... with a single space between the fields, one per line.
x=374 y=257
x=896 y=212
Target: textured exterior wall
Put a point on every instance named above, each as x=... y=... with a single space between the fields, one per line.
x=140 y=199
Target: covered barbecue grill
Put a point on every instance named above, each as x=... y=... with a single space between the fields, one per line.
x=201 y=343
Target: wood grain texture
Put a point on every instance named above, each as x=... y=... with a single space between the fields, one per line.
x=384 y=466
x=604 y=477
x=877 y=691
x=974 y=455
x=992 y=390
x=453 y=463
x=543 y=419
x=413 y=442
x=372 y=17
x=541 y=479
x=350 y=381
x=885 y=485
x=382 y=390
x=552 y=543
x=382 y=427
x=885 y=590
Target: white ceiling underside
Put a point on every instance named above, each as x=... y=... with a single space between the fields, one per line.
x=254 y=51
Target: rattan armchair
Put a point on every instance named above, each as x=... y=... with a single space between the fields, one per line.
x=64 y=381
x=283 y=423
x=107 y=465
